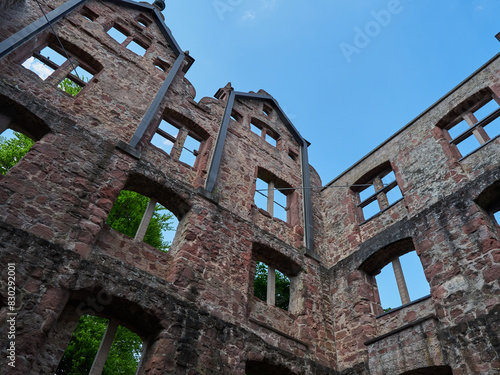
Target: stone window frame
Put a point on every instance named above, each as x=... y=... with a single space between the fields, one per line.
x=465 y=112
x=374 y=178
x=65 y=70
x=179 y=140
x=275 y=183
x=130 y=37
x=391 y=254
x=275 y=260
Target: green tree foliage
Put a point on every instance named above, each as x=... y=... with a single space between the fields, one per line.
x=282 y=286
x=12 y=150
x=126 y=216
x=70 y=87
x=80 y=354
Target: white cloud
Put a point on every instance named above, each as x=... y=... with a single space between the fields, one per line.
x=249 y=16
x=36 y=66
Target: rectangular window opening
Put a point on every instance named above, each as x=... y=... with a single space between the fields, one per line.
x=254 y=128
x=38 y=67
x=371 y=209
x=281 y=288
x=493 y=128
x=70 y=86
x=53 y=56
x=89 y=14
x=486 y=110
x=190 y=150
x=136 y=48
x=271 y=139
x=458 y=129
x=260 y=197
x=117 y=35
x=280 y=204
x=468 y=145
x=496 y=215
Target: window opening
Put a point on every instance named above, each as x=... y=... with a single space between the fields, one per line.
x=475 y=128
x=49 y=63
x=266 y=110
x=89 y=14
x=256 y=129
x=496 y=215
x=269 y=198
x=117 y=35
x=162 y=65
x=143 y=219
x=100 y=345
x=237 y=117
x=382 y=192
x=136 y=48
x=293 y=155
x=178 y=142
x=13 y=147
x=144 y=21
x=402 y=281
x=272 y=286
x=271 y=140
x=267 y=134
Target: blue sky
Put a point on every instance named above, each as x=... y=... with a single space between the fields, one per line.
x=293 y=50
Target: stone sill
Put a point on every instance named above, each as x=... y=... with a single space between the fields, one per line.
x=479 y=148
x=400 y=329
x=267 y=326
x=403 y=306
x=381 y=212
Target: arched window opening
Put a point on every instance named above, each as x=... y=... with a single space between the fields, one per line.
x=398 y=275
x=489 y=201
x=101 y=346
x=19 y=130
x=377 y=191
x=143 y=219
x=69 y=69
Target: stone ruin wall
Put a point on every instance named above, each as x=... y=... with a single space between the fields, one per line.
x=194 y=306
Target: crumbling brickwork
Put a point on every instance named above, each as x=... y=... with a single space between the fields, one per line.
x=194 y=306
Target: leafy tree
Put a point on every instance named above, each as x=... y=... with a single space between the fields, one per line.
x=80 y=354
x=126 y=216
x=12 y=150
x=282 y=286
x=70 y=87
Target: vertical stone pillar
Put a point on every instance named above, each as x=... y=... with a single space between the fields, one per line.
x=271 y=285
x=270 y=198
x=400 y=279
x=143 y=227
x=104 y=348
x=479 y=132
x=381 y=198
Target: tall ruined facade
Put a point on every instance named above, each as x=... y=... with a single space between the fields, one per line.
x=194 y=306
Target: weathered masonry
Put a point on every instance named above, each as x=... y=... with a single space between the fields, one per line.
x=429 y=193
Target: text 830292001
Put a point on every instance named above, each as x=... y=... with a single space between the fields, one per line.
x=11 y=315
